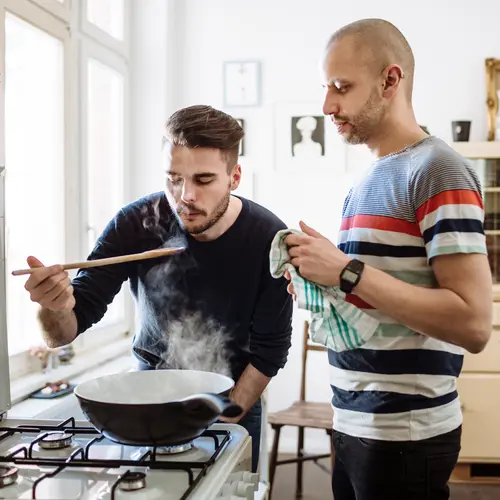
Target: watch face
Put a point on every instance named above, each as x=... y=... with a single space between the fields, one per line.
x=349 y=276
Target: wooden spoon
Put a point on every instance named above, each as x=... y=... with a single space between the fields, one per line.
x=151 y=254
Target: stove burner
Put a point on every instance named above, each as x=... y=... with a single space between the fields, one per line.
x=56 y=441
x=8 y=475
x=132 y=481
x=172 y=450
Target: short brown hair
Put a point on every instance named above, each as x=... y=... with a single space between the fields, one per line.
x=205 y=127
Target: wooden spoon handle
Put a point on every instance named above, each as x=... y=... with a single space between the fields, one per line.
x=151 y=254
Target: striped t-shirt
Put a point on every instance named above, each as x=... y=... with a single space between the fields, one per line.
x=420 y=202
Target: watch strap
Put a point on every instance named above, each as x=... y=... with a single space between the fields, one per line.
x=351 y=275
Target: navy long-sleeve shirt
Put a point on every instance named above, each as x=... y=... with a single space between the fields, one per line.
x=215 y=306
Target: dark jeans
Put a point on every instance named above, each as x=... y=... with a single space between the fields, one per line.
x=367 y=469
x=251 y=422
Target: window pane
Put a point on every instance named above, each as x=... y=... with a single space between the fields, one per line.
x=105 y=144
x=108 y=15
x=34 y=148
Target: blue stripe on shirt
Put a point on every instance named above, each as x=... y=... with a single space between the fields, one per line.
x=398 y=361
x=453 y=225
x=380 y=249
x=386 y=402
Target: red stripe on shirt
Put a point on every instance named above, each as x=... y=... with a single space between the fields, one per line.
x=381 y=223
x=356 y=301
x=451 y=197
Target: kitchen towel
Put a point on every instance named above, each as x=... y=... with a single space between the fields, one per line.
x=335 y=323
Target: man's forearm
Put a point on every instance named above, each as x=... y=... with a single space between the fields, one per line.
x=59 y=327
x=249 y=387
x=439 y=313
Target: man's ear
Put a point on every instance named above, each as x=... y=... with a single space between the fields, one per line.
x=393 y=76
x=235 y=177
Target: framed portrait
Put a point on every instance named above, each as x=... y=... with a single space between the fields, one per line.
x=242 y=84
x=241 y=151
x=493 y=97
x=305 y=138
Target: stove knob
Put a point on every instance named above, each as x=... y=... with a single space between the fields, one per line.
x=239 y=489
x=250 y=477
x=234 y=476
x=247 y=477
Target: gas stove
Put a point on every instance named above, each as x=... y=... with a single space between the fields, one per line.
x=49 y=460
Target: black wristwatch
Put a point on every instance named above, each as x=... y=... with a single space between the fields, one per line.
x=350 y=275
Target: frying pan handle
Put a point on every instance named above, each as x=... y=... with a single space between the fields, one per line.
x=221 y=405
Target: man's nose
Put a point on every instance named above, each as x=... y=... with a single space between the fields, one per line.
x=189 y=192
x=331 y=104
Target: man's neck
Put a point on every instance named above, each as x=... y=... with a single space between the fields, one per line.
x=224 y=223
x=395 y=134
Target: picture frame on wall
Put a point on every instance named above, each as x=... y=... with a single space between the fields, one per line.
x=241 y=151
x=493 y=98
x=306 y=139
x=242 y=84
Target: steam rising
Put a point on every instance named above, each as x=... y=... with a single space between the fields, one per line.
x=174 y=329
x=195 y=343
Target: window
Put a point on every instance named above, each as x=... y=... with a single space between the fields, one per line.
x=59 y=8
x=107 y=15
x=104 y=145
x=34 y=181
x=66 y=137
x=106 y=22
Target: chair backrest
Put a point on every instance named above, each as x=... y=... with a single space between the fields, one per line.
x=306 y=347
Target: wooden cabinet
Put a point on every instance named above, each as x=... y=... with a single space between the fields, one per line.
x=479 y=396
x=479 y=383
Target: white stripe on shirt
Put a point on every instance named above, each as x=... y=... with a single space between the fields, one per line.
x=406 y=426
x=464 y=211
x=430 y=386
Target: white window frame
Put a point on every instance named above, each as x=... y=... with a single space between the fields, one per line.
x=91 y=50
x=32 y=13
x=58 y=9
x=64 y=21
x=103 y=38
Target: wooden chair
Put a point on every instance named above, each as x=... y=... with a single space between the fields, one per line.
x=301 y=414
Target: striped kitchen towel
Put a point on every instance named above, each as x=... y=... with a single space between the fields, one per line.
x=335 y=323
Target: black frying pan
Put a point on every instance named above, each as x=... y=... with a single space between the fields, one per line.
x=156 y=407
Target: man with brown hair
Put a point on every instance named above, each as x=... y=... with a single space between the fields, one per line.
x=411 y=254
x=212 y=307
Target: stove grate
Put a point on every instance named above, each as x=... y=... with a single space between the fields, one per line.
x=80 y=457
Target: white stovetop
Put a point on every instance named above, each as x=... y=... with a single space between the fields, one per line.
x=95 y=484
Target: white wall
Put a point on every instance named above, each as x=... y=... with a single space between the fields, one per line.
x=450 y=39
x=153 y=89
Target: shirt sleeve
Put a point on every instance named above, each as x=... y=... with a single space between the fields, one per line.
x=95 y=287
x=449 y=209
x=271 y=331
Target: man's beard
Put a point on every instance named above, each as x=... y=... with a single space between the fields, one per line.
x=216 y=215
x=366 y=122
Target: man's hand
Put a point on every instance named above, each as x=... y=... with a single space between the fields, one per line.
x=315 y=257
x=50 y=286
x=290 y=289
x=247 y=391
x=233 y=420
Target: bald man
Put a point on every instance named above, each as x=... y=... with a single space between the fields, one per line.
x=411 y=252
